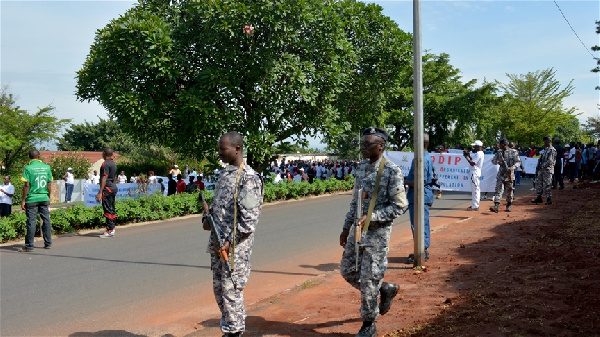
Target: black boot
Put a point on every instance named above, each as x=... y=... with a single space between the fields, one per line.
x=508 y=207
x=537 y=200
x=548 y=201
x=387 y=291
x=368 y=329
x=495 y=207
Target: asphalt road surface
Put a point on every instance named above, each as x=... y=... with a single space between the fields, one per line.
x=88 y=284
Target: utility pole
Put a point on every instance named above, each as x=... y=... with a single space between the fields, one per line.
x=419 y=219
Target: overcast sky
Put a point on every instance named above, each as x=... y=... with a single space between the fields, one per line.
x=43 y=44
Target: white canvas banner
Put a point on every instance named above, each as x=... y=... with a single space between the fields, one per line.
x=452 y=170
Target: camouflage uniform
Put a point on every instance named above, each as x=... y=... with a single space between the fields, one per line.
x=512 y=159
x=545 y=168
x=391 y=203
x=250 y=198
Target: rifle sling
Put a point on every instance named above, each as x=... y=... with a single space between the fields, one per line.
x=374 y=196
x=235 y=198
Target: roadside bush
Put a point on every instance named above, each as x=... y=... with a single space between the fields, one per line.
x=155 y=207
x=60 y=164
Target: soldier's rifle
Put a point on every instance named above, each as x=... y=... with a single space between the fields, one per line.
x=508 y=171
x=208 y=223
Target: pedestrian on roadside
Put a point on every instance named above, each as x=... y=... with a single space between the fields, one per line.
x=133 y=179
x=69 y=184
x=175 y=171
x=108 y=192
x=191 y=187
x=475 y=159
x=235 y=208
x=429 y=180
x=557 y=177
x=508 y=160
x=171 y=186
x=7 y=190
x=122 y=178
x=180 y=184
x=544 y=169
x=379 y=209
x=95 y=178
x=37 y=178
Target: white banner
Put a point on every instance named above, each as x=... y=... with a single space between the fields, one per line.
x=452 y=170
x=528 y=164
x=124 y=191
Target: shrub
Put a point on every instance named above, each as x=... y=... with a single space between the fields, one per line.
x=155 y=207
x=60 y=164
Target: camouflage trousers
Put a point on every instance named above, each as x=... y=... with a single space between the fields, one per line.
x=371 y=267
x=501 y=184
x=543 y=182
x=230 y=299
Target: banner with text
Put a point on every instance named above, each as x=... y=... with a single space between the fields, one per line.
x=452 y=170
x=124 y=191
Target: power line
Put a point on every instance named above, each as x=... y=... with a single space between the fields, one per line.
x=583 y=44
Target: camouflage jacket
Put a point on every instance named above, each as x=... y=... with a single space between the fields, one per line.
x=547 y=159
x=250 y=200
x=512 y=159
x=391 y=198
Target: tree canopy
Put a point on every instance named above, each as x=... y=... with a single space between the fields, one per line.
x=182 y=73
x=94 y=137
x=532 y=106
x=20 y=130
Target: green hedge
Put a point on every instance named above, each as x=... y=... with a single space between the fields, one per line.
x=155 y=207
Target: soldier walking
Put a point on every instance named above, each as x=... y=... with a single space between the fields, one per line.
x=389 y=202
x=543 y=178
x=509 y=160
x=236 y=208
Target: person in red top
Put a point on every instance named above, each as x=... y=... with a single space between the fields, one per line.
x=180 y=184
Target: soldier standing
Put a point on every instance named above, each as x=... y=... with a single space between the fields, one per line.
x=509 y=160
x=390 y=202
x=543 y=178
x=236 y=208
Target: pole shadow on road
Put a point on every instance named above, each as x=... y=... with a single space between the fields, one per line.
x=109 y=333
x=322 y=266
x=257 y=326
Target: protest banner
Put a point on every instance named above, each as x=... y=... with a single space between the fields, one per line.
x=452 y=170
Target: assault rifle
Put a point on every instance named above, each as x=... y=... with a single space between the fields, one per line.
x=208 y=223
x=357 y=229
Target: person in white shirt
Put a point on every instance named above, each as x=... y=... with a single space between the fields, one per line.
x=151 y=178
x=133 y=179
x=95 y=178
x=572 y=160
x=69 y=184
x=475 y=159
x=7 y=190
x=319 y=171
x=122 y=178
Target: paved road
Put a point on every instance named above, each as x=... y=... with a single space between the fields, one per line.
x=84 y=282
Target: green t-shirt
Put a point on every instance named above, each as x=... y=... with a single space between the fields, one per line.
x=38 y=175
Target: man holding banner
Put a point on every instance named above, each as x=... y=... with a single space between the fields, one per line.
x=509 y=160
x=475 y=159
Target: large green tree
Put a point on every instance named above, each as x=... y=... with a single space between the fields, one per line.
x=533 y=106
x=451 y=109
x=182 y=73
x=94 y=137
x=20 y=130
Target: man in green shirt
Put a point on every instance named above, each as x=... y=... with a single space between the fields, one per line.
x=37 y=177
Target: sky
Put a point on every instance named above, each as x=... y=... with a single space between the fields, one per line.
x=43 y=44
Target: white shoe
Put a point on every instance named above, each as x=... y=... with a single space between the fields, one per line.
x=108 y=234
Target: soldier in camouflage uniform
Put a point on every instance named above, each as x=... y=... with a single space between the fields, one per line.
x=390 y=203
x=229 y=292
x=544 y=170
x=509 y=160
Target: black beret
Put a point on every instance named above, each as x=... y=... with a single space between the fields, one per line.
x=547 y=138
x=372 y=131
x=503 y=141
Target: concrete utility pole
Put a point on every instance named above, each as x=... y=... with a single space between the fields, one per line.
x=419 y=218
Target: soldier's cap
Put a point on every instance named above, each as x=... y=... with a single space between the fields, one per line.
x=556 y=140
x=503 y=141
x=546 y=138
x=373 y=131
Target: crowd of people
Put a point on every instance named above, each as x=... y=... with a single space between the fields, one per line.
x=308 y=170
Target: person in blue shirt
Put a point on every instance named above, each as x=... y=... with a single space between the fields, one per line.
x=428 y=193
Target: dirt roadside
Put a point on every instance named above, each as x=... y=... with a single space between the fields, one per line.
x=532 y=272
